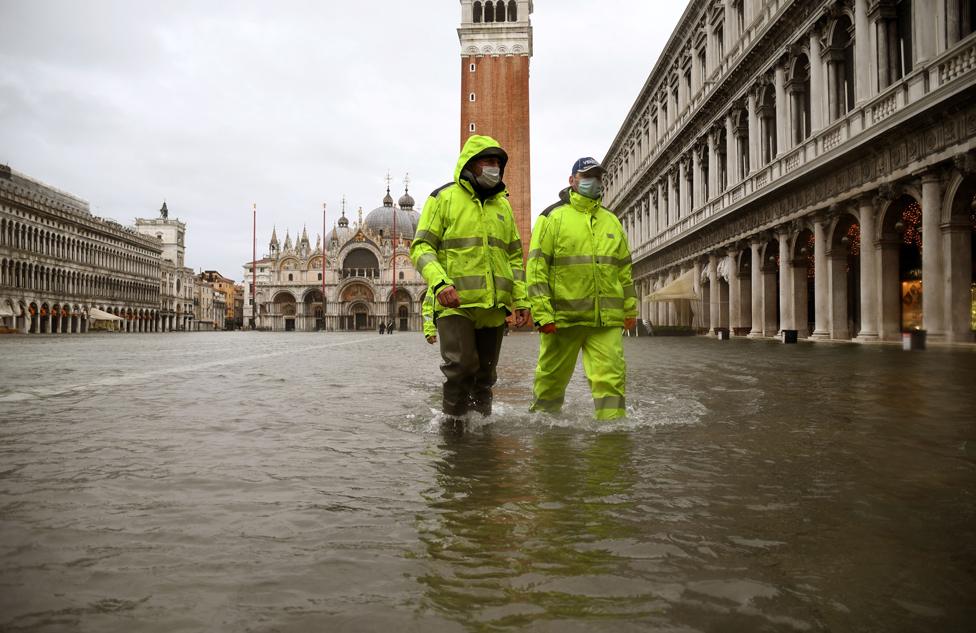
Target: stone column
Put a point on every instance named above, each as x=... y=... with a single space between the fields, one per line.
x=817 y=101
x=924 y=17
x=696 y=284
x=662 y=207
x=713 y=169
x=833 y=98
x=714 y=296
x=731 y=30
x=953 y=20
x=933 y=271
x=863 y=86
x=958 y=237
x=820 y=280
x=672 y=196
x=734 y=290
x=786 y=299
x=755 y=156
x=869 y=270
x=782 y=111
x=756 y=288
x=798 y=273
x=696 y=183
x=889 y=289
x=731 y=155
x=682 y=187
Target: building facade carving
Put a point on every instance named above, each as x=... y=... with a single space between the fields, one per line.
x=65 y=271
x=820 y=122
x=368 y=277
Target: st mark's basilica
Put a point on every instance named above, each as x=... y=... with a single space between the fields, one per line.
x=368 y=275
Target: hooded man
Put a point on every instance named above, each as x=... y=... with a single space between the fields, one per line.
x=468 y=249
x=582 y=293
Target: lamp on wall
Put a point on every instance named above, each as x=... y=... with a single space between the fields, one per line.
x=846 y=241
x=900 y=226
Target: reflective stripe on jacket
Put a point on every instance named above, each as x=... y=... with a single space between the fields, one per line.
x=469 y=244
x=579 y=267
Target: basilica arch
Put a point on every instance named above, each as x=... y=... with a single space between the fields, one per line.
x=357 y=306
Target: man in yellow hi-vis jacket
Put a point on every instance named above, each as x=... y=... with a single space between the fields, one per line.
x=468 y=249
x=582 y=294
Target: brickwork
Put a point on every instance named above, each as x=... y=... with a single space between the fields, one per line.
x=500 y=84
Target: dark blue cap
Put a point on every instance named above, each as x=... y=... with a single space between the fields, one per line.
x=586 y=164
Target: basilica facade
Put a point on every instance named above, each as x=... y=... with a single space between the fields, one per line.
x=363 y=267
x=806 y=166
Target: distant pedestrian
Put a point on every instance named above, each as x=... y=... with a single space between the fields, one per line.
x=468 y=249
x=382 y=327
x=582 y=293
x=390 y=327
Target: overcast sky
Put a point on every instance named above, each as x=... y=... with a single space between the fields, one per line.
x=214 y=106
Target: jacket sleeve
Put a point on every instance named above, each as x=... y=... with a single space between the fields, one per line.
x=625 y=271
x=519 y=295
x=427 y=310
x=537 y=276
x=426 y=243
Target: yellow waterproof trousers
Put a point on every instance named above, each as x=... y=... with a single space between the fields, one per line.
x=603 y=362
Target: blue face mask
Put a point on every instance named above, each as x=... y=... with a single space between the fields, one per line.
x=590 y=188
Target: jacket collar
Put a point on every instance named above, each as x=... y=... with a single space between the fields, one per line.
x=578 y=202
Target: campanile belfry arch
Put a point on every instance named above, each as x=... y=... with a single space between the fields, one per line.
x=496 y=44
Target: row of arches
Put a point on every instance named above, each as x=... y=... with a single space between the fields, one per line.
x=56 y=317
x=360 y=307
x=22 y=275
x=490 y=11
x=43 y=242
x=869 y=269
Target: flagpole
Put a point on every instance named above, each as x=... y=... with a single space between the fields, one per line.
x=254 y=266
x=323 y=265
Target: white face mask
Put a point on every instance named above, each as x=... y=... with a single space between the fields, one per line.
x=490 y=176
x=590 y=187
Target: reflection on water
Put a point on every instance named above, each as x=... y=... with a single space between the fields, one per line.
x=238 y=481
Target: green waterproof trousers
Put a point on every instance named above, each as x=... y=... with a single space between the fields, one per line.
x=603 y=362
x=470 y=344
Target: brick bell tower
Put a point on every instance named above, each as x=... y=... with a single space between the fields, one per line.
x=496 y=44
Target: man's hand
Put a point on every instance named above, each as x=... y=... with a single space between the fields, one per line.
x=548 y=328
x=432 y=339
x=629 y=324
x=448 y=297
x=522 y=317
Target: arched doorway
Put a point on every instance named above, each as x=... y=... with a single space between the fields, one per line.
x=285 y=309
x=804 y=275
x=901 y=267
x=399 y=308
x=844 y=260
x=357 y=299
x=315 y=309
x=770 y=287
x=960 y=259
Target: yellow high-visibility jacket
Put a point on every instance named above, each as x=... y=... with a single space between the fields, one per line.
x=469 y=244
x=427 y=311
x=579 y=268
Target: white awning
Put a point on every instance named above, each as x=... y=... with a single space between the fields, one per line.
x=5 y=310
x=101 y=315
x=681 y=288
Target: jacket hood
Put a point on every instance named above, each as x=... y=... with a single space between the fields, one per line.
x=475 y=147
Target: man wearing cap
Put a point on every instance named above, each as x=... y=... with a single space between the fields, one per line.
x=581 y=293
x=468 y=249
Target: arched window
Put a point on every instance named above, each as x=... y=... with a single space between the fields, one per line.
x=401 y=275
x=490 y=12
x=291 y=277
x=840 y=68
x=476 y=12
x=512 y=11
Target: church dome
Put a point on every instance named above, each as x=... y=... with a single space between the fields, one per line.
x=381 y=219
x=406 y=200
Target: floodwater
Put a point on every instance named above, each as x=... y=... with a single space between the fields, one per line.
x=301 y=482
